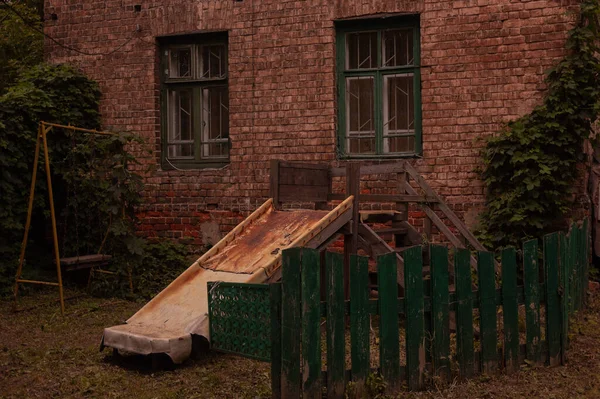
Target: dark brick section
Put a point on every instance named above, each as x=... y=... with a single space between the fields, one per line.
x=483 y=64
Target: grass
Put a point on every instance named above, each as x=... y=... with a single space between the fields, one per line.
x=45 y=355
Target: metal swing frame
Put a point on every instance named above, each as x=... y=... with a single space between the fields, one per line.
x=42 y=140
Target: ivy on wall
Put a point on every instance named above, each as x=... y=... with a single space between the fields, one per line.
x=530 y=168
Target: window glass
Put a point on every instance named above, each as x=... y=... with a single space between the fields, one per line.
x=361 y=50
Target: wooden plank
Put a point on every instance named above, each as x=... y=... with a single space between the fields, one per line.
x=444 y=208
x=440 y=339
x=392 y=167
x=531 y=273
x=291 y=322
x=389 y=345
x=415 y=323
x=274 y=183
x=464 y=313
x=571 y=259
x=289 y=192
x=311 y=323
x=336 y=368
x=303 y=177
x=553 y=310
x=351 y=241
x=408 y=198
x=578 y=266
x=565 y=273
x=300 y=165
x=487 y=312
x=510 y=310
x=275 y=300
x=380 y=246
x=585 y=259
x=332 y=229
x=359 y=322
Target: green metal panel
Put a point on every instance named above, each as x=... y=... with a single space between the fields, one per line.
x=291 y=323
x=531 y=277
x=487 y=312
x=553 y=310
x=571 y=258
x=311 y=323
x=415 y=334
x=440 y=340
x=359 y=321
x=389 y=345
x=239 y=315
x=510 y=310
x=275 y=299
x=335 y=326
x=464 y=313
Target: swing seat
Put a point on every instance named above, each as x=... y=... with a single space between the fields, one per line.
x=85 y=262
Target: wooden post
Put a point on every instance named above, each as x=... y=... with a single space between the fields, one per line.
x=351 y=240
x=53 y=217
x=274 y=183
x=29 y=210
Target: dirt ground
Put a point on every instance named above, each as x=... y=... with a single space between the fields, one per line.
x=45 y=355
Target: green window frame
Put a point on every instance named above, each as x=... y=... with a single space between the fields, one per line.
x=379 y=88
x=194 y=101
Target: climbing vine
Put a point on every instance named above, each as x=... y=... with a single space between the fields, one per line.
x=531 y=167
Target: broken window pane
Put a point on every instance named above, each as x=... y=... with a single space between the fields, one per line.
x=215 y=123
x=180 y=63
x=360 y=121
x=213 y=62
x=180 y=132
x=398 y=111
x=361 y=50
x=397 y=47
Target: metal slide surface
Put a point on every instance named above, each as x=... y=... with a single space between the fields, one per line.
x=249 y=253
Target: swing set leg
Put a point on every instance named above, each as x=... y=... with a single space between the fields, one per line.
x=41 y=137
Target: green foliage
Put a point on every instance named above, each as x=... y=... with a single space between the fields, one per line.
x=21 y=47
x=530 y=169
x=95 y=192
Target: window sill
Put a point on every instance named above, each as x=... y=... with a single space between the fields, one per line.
x=167 y=166
x=371 y=157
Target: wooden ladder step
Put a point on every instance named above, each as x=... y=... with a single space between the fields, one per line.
x=392 y=230
x=380 y=216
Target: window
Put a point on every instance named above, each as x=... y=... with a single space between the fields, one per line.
x=379 y=91
x=195 y=102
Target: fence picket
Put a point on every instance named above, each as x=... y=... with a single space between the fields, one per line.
x=572 y=265
x=311 y=323
x=532 y=299
x=579 y=266
x=359 y=321
x=336 y=366
x=464 y=313
x=439 y=311
x=290 y=323
x=275 y=300
x=553 y=310
x=566 y=244
x=487 y=312
x=389 y=345
x=415 y=323
x=510 y=310
x=585 y=260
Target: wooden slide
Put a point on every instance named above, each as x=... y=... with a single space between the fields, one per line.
x=251 y=252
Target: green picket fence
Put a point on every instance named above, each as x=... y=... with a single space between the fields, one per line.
x=553 y=286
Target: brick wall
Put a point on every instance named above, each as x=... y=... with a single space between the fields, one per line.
x=483 y=63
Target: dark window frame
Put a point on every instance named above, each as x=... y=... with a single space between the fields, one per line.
x=168 y=83
x=378 y=25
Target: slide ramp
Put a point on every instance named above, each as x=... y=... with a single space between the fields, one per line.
x=250 y=253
